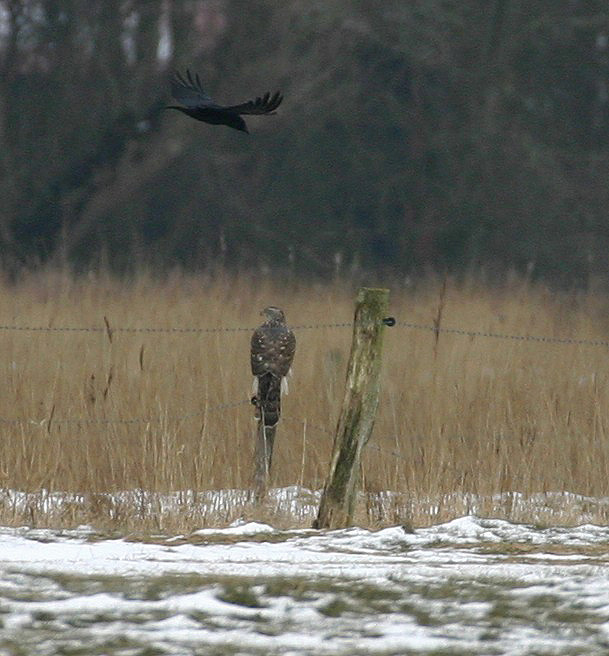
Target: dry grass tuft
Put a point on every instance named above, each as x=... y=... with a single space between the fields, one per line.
x=468 y=416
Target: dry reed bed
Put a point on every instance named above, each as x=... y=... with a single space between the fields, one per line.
x=467 y=415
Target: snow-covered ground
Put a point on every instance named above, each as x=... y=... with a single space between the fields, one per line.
x=295 y=505
x=469 y=586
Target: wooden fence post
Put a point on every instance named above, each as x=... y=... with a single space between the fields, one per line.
x=358 y=412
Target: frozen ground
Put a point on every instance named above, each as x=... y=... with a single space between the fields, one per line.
x=470 y=586
x=295 y=505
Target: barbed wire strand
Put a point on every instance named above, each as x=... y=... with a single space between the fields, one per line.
x=107 y=329
x=520 y=338
x=85 y=421
x=159 y=330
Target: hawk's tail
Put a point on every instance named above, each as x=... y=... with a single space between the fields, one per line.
x=269 y=398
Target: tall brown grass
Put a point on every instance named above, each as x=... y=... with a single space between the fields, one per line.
x=462 y=420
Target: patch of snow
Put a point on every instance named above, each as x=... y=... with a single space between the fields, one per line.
x=472 y=585
x=239 y=527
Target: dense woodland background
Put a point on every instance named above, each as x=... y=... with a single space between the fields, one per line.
x=428 y=134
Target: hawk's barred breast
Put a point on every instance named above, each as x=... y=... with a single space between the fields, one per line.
x=273 y=347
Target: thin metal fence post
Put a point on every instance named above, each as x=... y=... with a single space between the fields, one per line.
x=263 y=454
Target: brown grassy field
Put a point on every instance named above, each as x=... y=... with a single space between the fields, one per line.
x=463 y=421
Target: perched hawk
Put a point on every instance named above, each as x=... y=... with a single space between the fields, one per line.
x=198 y=105
x=273 y=347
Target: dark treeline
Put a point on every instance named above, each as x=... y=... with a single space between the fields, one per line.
x=442 y=134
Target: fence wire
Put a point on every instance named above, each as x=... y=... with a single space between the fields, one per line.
x=46 y=422
x=194 y=330
x=519 y=338
x=110 y=330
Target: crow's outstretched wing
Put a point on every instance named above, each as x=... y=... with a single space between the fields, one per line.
x=265 y=105
x=188 y=90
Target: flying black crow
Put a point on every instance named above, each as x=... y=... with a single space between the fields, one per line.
x=199 y=105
